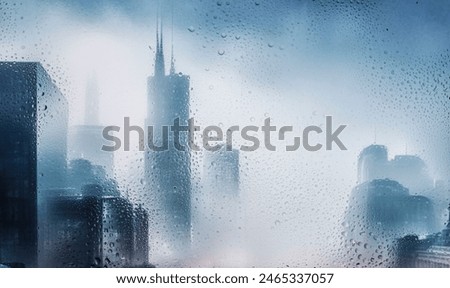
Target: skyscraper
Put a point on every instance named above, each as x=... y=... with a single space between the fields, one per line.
x=86 y=141
x=167 y=172
x=33 y=125
x=221 y=172
x=408 y=170
x=217 y=222
x=372 y=162
x=385 y=205
x=220 y=198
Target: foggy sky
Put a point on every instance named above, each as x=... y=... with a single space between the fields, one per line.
x=381 y=67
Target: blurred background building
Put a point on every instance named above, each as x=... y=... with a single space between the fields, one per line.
x=387 y=204
x=86 y=141
x=217 y=224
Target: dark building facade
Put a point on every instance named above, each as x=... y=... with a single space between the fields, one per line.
x=433 y=251
x=91 y=230
x=33 y=125
x=140 y=237
x=167 y=172
x=71 y=234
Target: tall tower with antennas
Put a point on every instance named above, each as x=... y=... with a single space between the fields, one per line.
x=167 y=172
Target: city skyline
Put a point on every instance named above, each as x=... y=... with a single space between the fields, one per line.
x=293 y=63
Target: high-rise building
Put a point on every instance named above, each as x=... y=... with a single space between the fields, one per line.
x=411 y=171
x=217 y=221
x=381 y=211
x=33 y=125
x=167 y=172
x=220 y=195
x=408 y=170
x=387 y=205
x=221 y=172
x=372 y=162
x=86 y=141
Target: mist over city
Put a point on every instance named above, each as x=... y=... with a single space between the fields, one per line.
x=381 y=68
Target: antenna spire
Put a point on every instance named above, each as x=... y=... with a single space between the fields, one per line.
x=172 y=60
x=161 y=34
x=159 y=57
x=157 y=28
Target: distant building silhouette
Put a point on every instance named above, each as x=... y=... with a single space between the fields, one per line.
x=86 y=141
x=167 y=172
x=81 y=172
x=372 y=162
x=383 y=207
x=221 y=171
x=408 y=170
x=218 y=223
x=33 y=125
x=387 y=205
x=120 y=229
x=91 y=104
